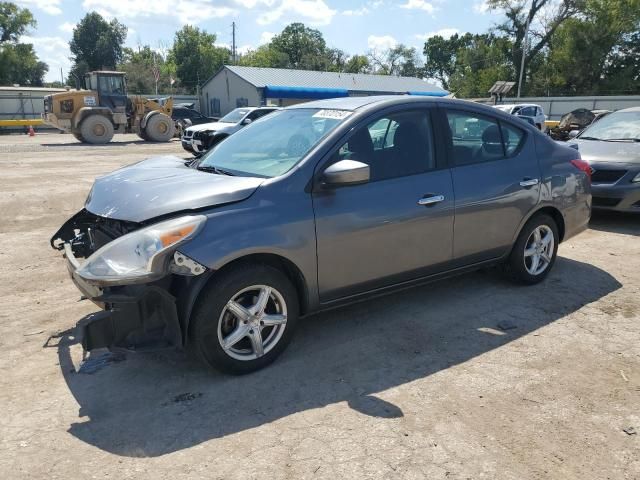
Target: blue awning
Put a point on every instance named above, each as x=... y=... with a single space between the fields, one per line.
x=443 y=93
x=304 y=92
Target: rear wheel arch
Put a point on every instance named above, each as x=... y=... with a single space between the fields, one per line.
x=553 y=212
x=557 y=217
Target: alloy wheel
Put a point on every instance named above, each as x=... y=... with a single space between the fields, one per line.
x=252 y=322
x=538 y=250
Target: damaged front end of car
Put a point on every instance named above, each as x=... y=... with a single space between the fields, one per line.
x=135 y=273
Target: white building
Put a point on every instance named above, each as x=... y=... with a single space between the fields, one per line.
x=232 y=87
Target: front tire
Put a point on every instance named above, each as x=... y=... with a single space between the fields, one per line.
x=535 y=250
x=96 y=129
x=160 y=128
x=244 y=319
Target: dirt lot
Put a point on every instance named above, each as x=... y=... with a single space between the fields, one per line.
x=421 y=384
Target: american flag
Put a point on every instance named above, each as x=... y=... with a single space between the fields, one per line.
x=156 y=73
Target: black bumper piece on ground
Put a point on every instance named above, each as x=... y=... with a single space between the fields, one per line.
x=135 y=317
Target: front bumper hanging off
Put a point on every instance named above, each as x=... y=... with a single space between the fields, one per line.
x=138 y=317
x=133 y=316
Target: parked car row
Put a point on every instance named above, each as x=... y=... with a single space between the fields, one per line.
x=311 y=207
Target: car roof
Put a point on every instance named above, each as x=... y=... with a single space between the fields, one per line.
x=630 y=109
x=376 y=101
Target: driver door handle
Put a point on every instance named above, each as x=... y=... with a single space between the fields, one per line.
x=529 y=182
x=431 y=200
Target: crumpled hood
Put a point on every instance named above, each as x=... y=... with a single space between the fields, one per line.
x=163 y=185
x=609 y=152
x=213 y=127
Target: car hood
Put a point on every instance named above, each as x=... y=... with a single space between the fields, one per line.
x=595 y=151
x=212 y=126
x=163 y=185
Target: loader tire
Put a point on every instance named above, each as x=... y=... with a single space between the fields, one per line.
x=160 y=128
x=143 y=135
x=96 y=129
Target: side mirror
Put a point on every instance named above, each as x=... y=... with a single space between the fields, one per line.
x=246 y=121
x=574 y=133
x=346 y=172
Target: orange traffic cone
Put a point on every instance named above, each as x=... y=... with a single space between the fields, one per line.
x=32 y=132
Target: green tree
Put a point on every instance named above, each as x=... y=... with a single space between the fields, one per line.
x=264 y=56
x=96 y=44
x=305 y=47
x=14 y=22
x=441 y=56
x=481 y=61
x=19 y=63
x=196 y=57
x=594 y=53
x=357 y=64
x=399 y=60
x=538 y=23
x=139 y=64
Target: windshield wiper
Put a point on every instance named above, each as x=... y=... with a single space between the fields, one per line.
x=212 y=169
x=589 y=138
x=622 y=140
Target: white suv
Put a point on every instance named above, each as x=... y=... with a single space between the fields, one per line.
x=199 y=138
x=526 y=110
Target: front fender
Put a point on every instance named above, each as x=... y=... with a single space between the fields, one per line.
x=284 y=228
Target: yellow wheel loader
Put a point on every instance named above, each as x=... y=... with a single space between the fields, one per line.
x=102 y=108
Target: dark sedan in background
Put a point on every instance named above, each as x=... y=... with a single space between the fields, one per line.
x=612 y=148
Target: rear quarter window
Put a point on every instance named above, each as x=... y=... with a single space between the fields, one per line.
x=512 y=137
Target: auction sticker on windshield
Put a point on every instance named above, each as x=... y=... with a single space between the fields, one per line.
x=335 y=114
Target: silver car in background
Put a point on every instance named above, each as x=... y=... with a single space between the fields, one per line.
x=612 y=148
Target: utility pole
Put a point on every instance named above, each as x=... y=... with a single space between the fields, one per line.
x=524 y=49
x=233 y=43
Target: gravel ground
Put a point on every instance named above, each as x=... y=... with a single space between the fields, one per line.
x=421 y=384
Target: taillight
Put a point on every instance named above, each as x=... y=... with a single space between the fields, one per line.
x=582 y=165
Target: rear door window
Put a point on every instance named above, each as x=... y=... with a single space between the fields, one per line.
x=475 y=138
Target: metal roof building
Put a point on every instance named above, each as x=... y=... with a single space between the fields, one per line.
x=233 y=86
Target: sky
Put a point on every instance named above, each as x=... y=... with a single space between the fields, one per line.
x=355 y=26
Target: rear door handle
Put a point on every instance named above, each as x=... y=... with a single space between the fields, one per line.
x=529 y=182
x=431 y=200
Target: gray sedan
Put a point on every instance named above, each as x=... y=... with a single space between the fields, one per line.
x=315 y=206
x=612 y=148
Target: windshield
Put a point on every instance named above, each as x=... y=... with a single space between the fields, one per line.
x=234 y=116
x=615 y=126
x=272 y=145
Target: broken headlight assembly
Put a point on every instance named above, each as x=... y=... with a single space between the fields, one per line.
x=142 y=255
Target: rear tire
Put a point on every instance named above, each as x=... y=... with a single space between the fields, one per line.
x=239 y=340
x=96 y=129
x=535 y=251
x=160 y=128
